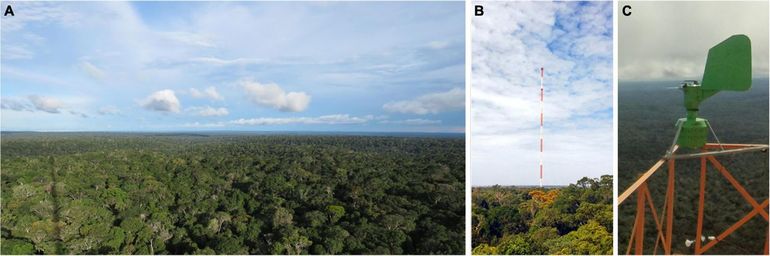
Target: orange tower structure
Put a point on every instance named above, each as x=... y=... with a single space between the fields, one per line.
x=664 y=224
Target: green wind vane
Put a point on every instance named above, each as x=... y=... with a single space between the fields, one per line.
x=728 y=68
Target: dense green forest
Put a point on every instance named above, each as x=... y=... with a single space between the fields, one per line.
x=111 y=193
x=647 y=114
x=576 y=219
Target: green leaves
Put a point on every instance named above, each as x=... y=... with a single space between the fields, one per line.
x=282 y=217
x=315 y=218
x=335 y=239
x=570 y=220
x=517 y=244
x=115 y=239
x=116 y=198
x=335 y=212
x=24 y=191
x=485 y=249
x=149 y=194
x=292 y=243
x=589 y=239
x=17 y=247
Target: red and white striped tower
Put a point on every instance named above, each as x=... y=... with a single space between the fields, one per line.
x=541 y=127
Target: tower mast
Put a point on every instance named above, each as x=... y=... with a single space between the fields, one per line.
x=541 y=127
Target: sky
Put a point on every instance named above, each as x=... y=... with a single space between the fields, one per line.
x=573 y=42
x=670 y=40
x=172 y=66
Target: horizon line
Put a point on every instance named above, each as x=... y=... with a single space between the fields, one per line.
x=204 y=131
x=674 y=79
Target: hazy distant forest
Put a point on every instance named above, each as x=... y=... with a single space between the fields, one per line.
x=576 y=219
x=647 y=114
x=187 y=193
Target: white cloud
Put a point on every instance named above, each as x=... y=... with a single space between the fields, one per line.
x=189 y=38
x=657 y=42
x=210 y=93
x=271 y=95
x=109 y=110
x=92 y=71
x=592 y=45
x=209 y=111
x=349 y=79
x=77 y=113
x=226 y=62
x=172 y=55
x=438 y=44
x=40 y=12
x=327 y=119
x=378 y=117
x=32 y=76
x=47 y=104
x=204 y=125
x=336 y=119
x=163 y=101
x=14 y=104
x=415 y=121
x=573 y=42
x=433 y=103
x=14 y=52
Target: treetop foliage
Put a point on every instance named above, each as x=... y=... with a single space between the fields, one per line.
x=153 y=194
x=576 y=219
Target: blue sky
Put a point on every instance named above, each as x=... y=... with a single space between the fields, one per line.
x=573 y=42
x=234 y=66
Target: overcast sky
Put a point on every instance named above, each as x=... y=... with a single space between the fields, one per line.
x=573 y=42
x=135 y=66
x=670 y=40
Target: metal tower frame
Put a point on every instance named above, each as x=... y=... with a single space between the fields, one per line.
x=643 y=198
